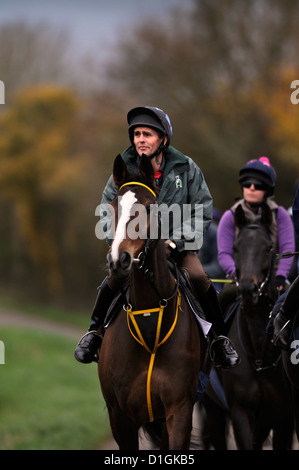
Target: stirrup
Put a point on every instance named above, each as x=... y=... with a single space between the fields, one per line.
x=93 y=332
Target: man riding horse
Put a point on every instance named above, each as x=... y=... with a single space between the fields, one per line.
x=180 y=181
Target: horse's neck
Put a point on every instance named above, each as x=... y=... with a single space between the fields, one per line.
x=252 y=323
x=147 y=286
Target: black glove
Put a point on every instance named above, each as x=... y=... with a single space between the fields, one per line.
x=279 y=282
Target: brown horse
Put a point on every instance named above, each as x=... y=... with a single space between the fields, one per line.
x=152 y=352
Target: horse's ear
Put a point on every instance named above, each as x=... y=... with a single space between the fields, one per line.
x=239 y=217
x=120 y=171
x=146 y=170
x=267 y=216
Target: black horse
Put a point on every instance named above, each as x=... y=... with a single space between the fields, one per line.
x=257 y=392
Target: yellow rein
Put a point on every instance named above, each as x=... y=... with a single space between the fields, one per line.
x=139 y=338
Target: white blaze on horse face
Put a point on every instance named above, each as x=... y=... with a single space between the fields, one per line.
x=126 y=203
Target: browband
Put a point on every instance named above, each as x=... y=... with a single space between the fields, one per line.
x=139 y=184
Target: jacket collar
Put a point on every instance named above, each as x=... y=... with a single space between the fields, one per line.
x=173 y=157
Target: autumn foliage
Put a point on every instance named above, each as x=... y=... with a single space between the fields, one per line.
x=222 y=72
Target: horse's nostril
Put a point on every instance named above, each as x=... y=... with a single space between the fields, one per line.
x=109 y=261
x=125 y=259
x=120 y=267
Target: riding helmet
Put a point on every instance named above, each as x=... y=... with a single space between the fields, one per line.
x=261 y=170
x=149 y=116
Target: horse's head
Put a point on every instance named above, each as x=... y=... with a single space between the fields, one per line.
x=132 y=215
x=253 y=255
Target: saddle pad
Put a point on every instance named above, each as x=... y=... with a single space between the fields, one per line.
x=147 y=324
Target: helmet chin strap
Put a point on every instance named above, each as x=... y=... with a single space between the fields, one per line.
x=162 y=147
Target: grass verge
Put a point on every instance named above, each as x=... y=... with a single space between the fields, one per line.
x=48 y=401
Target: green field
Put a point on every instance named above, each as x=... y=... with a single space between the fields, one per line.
x=48 y=401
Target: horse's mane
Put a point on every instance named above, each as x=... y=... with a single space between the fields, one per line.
x=266 y=217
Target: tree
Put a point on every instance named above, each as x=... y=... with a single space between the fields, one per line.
x=33 y=55
x=204 y=67
x=39 y=174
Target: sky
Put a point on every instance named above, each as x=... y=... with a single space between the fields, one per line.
x=90 y=23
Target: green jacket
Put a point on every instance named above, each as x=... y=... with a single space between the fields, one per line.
x=183 y=184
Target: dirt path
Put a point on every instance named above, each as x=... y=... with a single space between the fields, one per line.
x=14 y=318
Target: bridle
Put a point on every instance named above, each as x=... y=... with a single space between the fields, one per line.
x=141 y=262
x=142 y=256
x=137 y=183
x=258 y=364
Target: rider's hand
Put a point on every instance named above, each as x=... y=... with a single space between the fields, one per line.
x=279 y=282
x=170 y=246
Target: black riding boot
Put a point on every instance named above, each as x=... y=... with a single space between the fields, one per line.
x=87 y=348
x=222 y=351
x=284 y=320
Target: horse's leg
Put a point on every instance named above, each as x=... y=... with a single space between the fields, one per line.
x=214 y=425
x=283 y=433
x=124 y=431
x=296 y=410
x=243 y=430
x=179 y=426
x=261 y=433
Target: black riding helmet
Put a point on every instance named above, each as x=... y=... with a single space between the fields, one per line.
x=149 y=116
